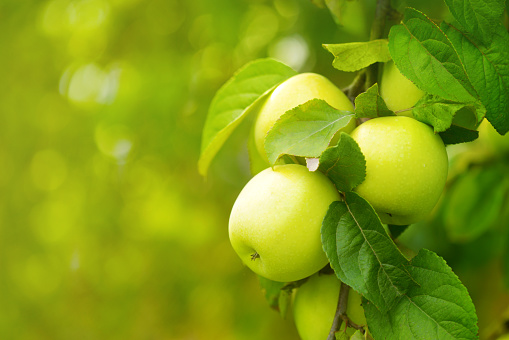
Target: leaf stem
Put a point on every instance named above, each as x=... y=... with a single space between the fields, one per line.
x=341 y=315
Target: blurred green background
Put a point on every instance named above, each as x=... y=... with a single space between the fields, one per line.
x=107 y=230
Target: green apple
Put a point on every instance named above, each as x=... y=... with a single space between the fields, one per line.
x=397 y=91
x=315 y=303
x=406 y=168
x=293 y=92
x=490 y=138
x=275 y=222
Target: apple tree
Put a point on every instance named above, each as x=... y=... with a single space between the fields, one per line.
x=339 y=175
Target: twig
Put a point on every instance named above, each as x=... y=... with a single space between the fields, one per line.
x=341 y=315
x=356 y=87
x=383 y=8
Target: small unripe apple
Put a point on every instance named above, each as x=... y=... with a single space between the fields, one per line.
x=293 y=92
x=397 y=91
x=406 y=168
x=315 y=304
x=275 y=222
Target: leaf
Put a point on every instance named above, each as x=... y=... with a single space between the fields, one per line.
x=475 y=202
x=351 y=57
x=305 y=130
x=436 y=112
x=488 y=70
x=357 y=336
x=340 y=335
x=370 y=104
x=437 y=307
x=284 y=302
x=424 y=55
x=457 y=134
x=344 y=163
x=233 y=102
x=272 y=291
x=362 y=254
x=479 y=17
x=336 y=9
x=397 y=230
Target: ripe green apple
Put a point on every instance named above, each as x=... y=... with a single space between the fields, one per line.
x=397 y=91
x=275 y=222
x=491 y=139
x=293 y=92
x=406 y=168
x=315 y=303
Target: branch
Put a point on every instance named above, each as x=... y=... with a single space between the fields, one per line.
x=340 y=315
x=357 y=86
x=367 y=77
x=383 y=8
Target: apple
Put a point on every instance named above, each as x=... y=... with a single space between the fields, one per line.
x=293 y=92
x=491 y=139
x=275 y=222
x=406 y=168
x=315 y=303
x=397 y=91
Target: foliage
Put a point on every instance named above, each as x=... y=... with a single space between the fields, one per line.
x=462 y=66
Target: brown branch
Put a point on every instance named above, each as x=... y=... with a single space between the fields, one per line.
x=341 y=315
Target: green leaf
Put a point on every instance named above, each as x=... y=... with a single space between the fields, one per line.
x=457 y=134
x=478 y=17
x=351 y=57
x=488 y=70
x=284 y=302
x=424 y=55
x=370 y=104
x=233 y=102
x=475 y=202
x=357 y=336
x=436 y=111
x=362 y=254
x=272 y=291
x=340 y=335
x=344 y=163
x=437 y=307
x=306 y=130
x=397 y=230
x=336 y=9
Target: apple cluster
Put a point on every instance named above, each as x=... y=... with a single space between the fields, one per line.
x=276 y=220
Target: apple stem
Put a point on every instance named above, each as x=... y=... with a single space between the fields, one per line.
x=340 y=315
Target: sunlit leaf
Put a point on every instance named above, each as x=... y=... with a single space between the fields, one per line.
x=305 y=130
x=351 y=57
x=233 y=102
x=422 y=53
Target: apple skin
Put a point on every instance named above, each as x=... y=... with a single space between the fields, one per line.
x=278 y=215
x=293 y=92
x=397 y=91
x=406 y=168
x=315 y=303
